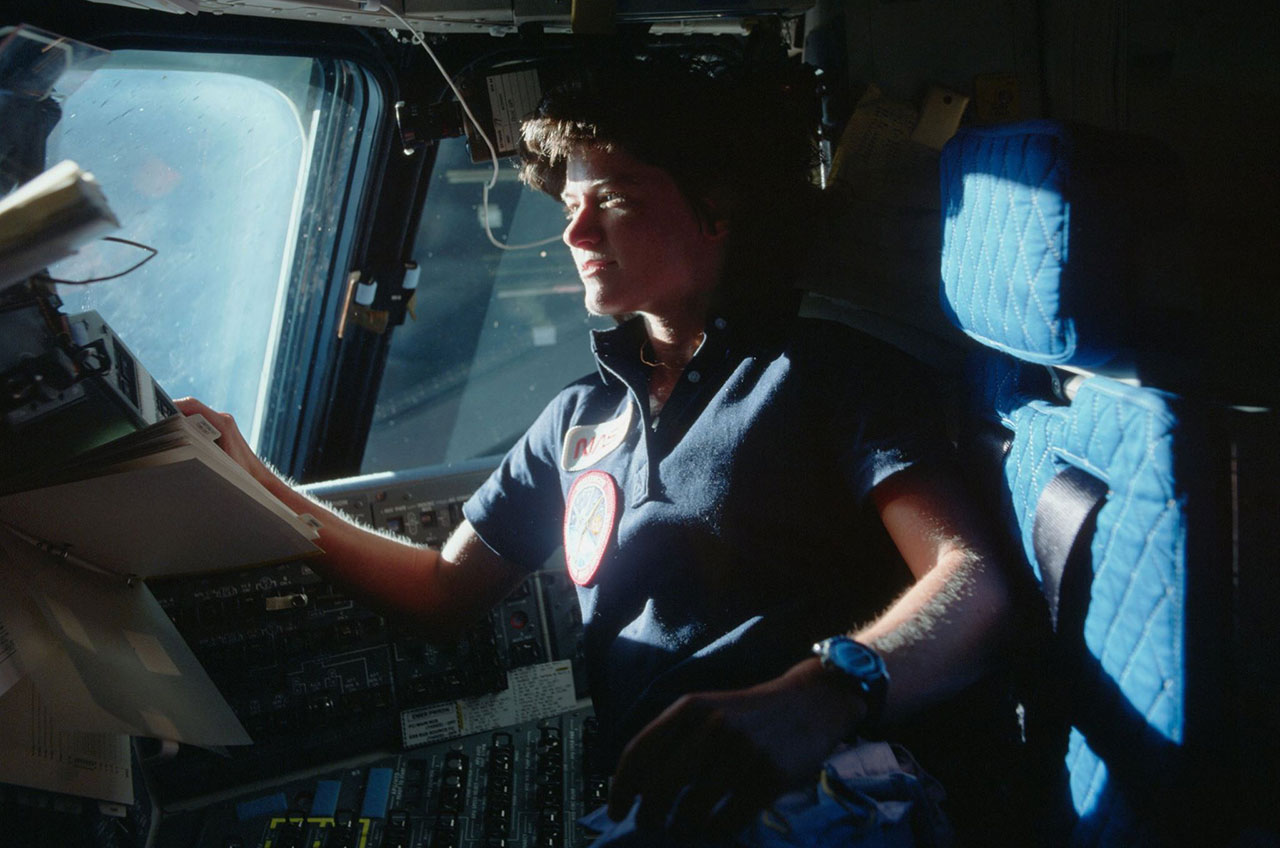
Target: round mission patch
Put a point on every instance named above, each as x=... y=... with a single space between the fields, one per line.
x=588 y=524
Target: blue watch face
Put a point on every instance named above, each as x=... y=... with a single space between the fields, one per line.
x=855 y=659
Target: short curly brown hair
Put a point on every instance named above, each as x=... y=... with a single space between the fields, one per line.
x=735 y=136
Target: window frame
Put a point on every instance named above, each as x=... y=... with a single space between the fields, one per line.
x=291 y=425
x=303 y=389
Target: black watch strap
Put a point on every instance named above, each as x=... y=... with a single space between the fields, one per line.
x=864 y=668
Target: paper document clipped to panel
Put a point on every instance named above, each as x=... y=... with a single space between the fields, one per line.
x=99 y=656
x=105 y=654
x=35 y=752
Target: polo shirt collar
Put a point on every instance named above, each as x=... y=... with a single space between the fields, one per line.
x=619 y=347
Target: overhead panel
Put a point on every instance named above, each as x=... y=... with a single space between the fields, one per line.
x=486 y=15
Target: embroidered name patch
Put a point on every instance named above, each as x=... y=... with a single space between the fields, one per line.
x=588 y=524
x=587 y=444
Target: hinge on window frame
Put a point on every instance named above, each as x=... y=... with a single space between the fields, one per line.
x=357 y=307
x=359 y=298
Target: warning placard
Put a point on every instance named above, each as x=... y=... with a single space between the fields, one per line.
x=533 y=692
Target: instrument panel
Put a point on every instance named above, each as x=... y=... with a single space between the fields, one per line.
x=519 y=786
x=365 y=734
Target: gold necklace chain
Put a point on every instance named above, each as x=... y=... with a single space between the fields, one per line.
x=659 y=364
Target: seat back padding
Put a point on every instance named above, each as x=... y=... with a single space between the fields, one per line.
x=1034 y=268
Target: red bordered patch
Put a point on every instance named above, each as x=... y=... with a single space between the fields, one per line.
x=588 y=524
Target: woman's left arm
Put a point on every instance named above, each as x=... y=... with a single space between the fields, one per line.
x=712 y=760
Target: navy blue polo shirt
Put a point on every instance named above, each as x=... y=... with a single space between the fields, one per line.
x=741 y=530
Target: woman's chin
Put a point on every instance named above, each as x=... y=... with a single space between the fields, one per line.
x=603 y=306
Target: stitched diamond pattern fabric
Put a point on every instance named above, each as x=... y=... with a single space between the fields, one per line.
x=1038 y=216
x=1004 y=247
x=1125 y=436
x=1028 y=266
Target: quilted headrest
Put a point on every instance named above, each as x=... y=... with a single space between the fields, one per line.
x=1055 y=243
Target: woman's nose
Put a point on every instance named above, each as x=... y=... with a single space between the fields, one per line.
x=582 y=230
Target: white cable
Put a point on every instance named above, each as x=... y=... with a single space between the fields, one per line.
x=493 y=153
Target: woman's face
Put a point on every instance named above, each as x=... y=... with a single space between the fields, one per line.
x=638 y=243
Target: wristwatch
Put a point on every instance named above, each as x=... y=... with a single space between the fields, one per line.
x=863 y=667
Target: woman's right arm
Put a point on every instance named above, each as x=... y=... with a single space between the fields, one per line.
x=440 y=594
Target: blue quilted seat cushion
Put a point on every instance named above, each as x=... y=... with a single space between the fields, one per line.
x=1126 y=437
x=1035 y=224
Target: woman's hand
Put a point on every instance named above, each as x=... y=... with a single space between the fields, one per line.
x=713 y=760
x=231 y=441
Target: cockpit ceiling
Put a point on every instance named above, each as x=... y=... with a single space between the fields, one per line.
x=490 y=16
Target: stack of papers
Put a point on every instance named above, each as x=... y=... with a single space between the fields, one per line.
x=87 y=656
x=164 y=500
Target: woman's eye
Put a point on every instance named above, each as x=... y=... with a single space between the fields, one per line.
x=611 y=198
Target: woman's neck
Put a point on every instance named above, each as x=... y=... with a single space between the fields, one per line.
x=667 y=351
x=672 y=343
